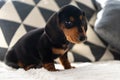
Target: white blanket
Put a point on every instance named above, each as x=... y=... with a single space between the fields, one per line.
x=109 y=70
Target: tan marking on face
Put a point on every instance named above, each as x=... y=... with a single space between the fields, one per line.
x=72 y=34
x=81 y=17
x=59 y=51
x=49 y=66
x=72 y=19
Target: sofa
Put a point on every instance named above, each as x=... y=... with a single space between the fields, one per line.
x=94 y=59
x=17 y=17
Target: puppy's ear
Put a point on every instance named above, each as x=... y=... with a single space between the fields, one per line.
x=83 y=13
x=85 y=22
x=53 y=29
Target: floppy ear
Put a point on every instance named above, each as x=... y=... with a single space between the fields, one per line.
x=53 y=29
x=85 y=21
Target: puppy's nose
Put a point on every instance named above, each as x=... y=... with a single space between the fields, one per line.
x=82 y=38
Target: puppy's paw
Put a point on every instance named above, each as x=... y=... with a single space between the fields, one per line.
x=72 y=67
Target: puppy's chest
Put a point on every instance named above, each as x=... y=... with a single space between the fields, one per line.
x=60 y=51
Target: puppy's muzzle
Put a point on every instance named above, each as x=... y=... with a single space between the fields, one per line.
x=82 y=38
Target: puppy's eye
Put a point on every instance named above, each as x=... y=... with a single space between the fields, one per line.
x=68 y=24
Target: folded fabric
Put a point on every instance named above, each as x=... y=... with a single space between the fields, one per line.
x=108 y=23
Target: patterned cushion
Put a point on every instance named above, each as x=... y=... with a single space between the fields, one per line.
x=17 y=17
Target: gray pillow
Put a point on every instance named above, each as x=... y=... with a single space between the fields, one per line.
x=108 y=23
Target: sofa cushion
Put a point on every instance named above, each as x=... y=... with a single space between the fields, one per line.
x=108 y=24
x=19 y=17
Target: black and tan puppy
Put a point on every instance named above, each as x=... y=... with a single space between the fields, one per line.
x=39 y=47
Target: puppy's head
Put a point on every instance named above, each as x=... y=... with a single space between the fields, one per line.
x=69 y=23
x=73 y=23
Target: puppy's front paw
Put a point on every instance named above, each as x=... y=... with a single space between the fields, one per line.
x=49 y=66
x=72 y=67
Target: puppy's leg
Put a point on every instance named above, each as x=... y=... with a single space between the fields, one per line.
x=49 y=66
x=64 y=61
x=11 y=59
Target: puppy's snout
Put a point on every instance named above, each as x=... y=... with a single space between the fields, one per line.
x=82 y=38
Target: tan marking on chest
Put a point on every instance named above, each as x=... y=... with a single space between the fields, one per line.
x=59 y=50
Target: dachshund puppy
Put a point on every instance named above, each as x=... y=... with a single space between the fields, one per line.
x=38 y=48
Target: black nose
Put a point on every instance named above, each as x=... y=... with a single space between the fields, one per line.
x=83 y=38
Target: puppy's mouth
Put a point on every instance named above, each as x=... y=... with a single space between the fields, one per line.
x=76 y=40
